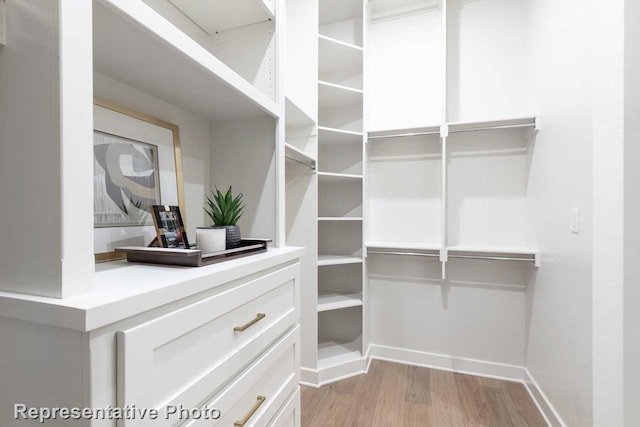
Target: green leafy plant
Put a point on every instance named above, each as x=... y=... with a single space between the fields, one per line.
x=224 y=209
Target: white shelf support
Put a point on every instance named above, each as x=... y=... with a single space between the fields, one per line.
x=444 y=255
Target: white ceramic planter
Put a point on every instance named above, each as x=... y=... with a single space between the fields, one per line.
x=210 y=240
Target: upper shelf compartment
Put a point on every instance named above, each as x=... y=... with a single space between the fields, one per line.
x=222 y=15
x=340 y=62
x=342 y=20
x=137 y=46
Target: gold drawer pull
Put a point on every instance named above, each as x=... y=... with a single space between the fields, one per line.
x=246 y=326
x=261 y=400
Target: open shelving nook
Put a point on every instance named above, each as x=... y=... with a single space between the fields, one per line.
x=339 y=343
x=340 y=63
x=241 y=35
x=137 y=46
x=339 y=286
x=340 y=107
x=404 y=176
x=149 y=57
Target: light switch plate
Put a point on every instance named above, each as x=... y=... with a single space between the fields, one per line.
x=575 y=221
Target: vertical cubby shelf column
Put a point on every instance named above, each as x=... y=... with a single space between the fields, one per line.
x=341 y=159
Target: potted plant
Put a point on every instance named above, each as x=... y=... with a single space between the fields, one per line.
x=225 y=210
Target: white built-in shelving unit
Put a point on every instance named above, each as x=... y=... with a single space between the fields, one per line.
x=496 y=143
x=451 y=139
x=340 y=219
x=211 y=69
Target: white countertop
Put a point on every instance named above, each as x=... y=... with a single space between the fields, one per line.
x=123 y=289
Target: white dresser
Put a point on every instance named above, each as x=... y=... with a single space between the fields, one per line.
x=210 y=346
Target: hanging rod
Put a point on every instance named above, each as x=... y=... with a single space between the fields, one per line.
x=475 y=129
x=310 y=164
x=493 y=258
x=404 y=135
x=403 y=253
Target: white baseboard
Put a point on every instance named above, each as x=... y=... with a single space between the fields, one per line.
x=309 y=377
x=545 y=407
x=367 y=358
x=343 y=371
x=481 y=368
x=320 y=377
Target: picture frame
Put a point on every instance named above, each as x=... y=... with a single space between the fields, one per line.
x=169 y=227
x=137 y=164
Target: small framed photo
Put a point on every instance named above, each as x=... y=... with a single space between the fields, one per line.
x=169 y=226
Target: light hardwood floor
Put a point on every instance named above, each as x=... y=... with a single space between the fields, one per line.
x=394 y=395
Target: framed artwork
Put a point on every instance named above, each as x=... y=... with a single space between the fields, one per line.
x=137 y=165
x=169 y=227
x=126 y=181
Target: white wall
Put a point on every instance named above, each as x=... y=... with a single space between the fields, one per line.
x=479 y=313
x=631 y=214
x=243 y=156
x=487 y=60
x=559 y=313
x=404 y=72
x=404 y=189
x=194 y=141
x=608 y=214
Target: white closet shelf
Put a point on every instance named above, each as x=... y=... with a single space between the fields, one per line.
x=493 y=249
x=403 y=133
x=339 y=218
x=299 y=156
x=339 y=60
x=339 y=43
x=295 y=116
x=221 y=15
x=333 y=353
x=404 y=246
x=340 y=136
x=523 y=122
x=504 y=253
x=338 y=260
x=137 y=46
x=335 y=301
x=332 y=175
x=332 y=95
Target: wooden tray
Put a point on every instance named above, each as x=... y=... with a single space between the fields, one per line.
x=192 y=257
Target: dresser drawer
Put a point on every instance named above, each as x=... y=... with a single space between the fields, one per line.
x=289 y=415
x=255 y=397
x=185 y=356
